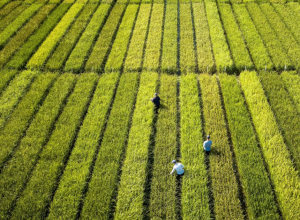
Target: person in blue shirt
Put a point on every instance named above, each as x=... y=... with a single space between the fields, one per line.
x=178 y=167
x=207 y=144
x=156 y=101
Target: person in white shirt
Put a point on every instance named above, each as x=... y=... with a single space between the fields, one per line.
x=178 y=167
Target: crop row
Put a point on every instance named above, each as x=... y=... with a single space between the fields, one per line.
x=7 y=20
x=9 y=8
x=17 y=171
x=224 y=184
x=284 y=177
x=257 y=188
x=195 y=197
x=68 y=196
x=55 y=153
x=5 y=77
x=80 y=52
x=163 y=186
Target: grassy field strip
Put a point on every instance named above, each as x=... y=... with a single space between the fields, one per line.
x=253 y=40
x=285 y=112
x=54 y=156
x=294 y=7
x=7 y=20
x=66 y=45
x=153 y=46
x=28 y=48
x=283 y=175
x=205 y=55
x=235 y=39
x=163 y=185
x=4 y=2
x=105 y=39
x=255 y=181
x=224 y=185
x=272 y=43
x=284 y=35
x=169 y=50
x=5 y=77
x=135 y=51
x=44 y=51
x=104 y=181
x=9 y=8
x=119 y=47
x=292 y=82
x=134 y=171
x=20 y=119
x=187 y=52
x=80 y=52
x=195 y=199
x=18 y=40
x=15 y=174
x=13 y=93
x=75 y=177
x=221 y=51
x=11 y=29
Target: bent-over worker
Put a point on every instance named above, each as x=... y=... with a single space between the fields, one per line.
x=207 y=144
x=178 y=167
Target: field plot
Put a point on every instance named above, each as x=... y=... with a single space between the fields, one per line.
x=81 y=139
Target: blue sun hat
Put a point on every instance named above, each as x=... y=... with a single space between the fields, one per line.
x=173 y=161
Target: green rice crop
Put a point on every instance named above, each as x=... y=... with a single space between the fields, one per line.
x=205 y=55
x=18 y=40
x=235 y=39
x=69 y=193
x=13 y=93
x=55 y=153
x=20 y=119
x=44 y=51
x=119 y=48
x=7 y=20
x=105 y=39
x=195 y=178
x=104 y=180
x=187 y=52
x=80 y=52
x=14 y=174
x=9 y=8
x=4 y=2
x=259 y=196
x=25 y=52
x=226 y=205
x=272 y=43
x=134 y=171
x=221 y=51
x=5 y=77
x=153 y=45
x=252 y=38
x=284 y=177
x=163 y=185
x=169 y=50
x=136 y=48
x=11 y=29
x=66 y=45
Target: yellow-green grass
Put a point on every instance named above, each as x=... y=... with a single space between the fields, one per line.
x=205 y=57
x=153 y=45
x=235 y=39
x=77 y=58
x=259 y=197
x=17 y=171
x=187 y=52
x=169 y=50
x=68 y=196
x=134 y=171
x=24 y=53
x=7 y=20
x=104 y=180
x=221 y=51
x=224 y=184
x=4 y=3
x=194 y=198
x=68 y=42
x=255 y=44
x=271 y=41
x=284 y=177
x=5 y=77
x=135 y=51
x=9 y=8
x=163 y=186
x=119 y=47
x=105 y=39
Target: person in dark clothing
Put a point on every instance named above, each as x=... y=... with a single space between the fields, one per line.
x=156 y=101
